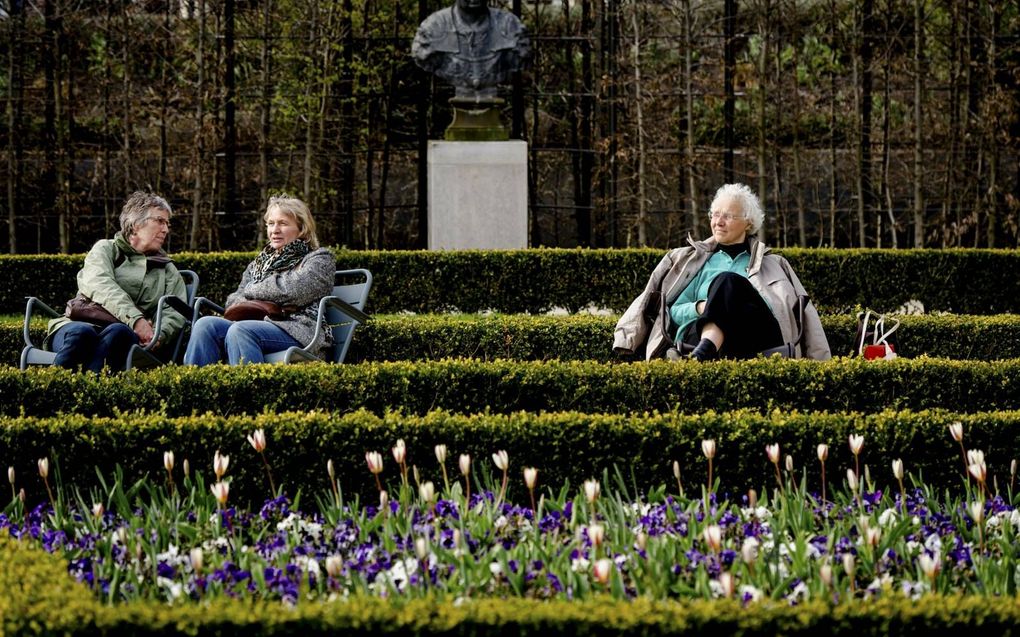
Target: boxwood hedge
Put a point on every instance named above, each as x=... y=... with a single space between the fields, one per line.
x=517 y=281
x=39 y=599
x=564 y=446
x=586 y=337
x=468 y=386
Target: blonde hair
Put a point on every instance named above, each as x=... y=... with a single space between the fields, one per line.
x=297 y=210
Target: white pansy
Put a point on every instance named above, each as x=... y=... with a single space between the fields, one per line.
x=396 y=576
x=715 y=588
x=496 y=569
x=780 y=570
x=799 y=593
x=933 y=543
x=173 y=589
x=888 y=517
x=580 y=565
x=750 y=592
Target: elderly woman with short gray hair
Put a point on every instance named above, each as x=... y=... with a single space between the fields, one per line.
x=293 y=273
x=726 y=296
x=126 y=275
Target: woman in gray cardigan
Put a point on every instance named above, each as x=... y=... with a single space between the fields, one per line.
x=292 y=271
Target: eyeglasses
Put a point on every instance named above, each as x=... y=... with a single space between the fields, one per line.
x=163 y=221
x=725 y=216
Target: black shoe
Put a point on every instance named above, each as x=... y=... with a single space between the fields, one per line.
x=705 y=351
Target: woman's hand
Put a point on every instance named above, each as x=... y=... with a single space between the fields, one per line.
x=143 y=328
x=699 y=307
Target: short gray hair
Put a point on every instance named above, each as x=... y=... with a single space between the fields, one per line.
x=750 y=207
x=136 y=210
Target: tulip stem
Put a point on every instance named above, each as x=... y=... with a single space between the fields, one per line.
x=502 y=488
x=963 y=455
x=53 y=502
x=823 y=480
x=709 y=486
x=269 y=473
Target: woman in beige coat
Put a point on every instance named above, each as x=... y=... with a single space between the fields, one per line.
x=725 y=296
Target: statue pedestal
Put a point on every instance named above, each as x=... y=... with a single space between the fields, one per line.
x=478 y=195
x=476 y=121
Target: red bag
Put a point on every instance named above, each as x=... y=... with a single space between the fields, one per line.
x=874 y=341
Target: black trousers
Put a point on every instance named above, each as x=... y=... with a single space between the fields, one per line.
x=745 y=319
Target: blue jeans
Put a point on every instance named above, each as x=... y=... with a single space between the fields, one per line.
x=83 y=344
x=217 y=340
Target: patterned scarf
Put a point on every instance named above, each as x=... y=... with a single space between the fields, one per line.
x=269 y=260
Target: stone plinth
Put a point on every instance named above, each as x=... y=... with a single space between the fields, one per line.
x=478 y=195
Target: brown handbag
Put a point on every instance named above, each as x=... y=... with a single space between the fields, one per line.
x=255 y=310
x=82 y=308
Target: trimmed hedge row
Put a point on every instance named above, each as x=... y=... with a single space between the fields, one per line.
x=565 y=447
x=468 y=386
x=585 y=337
x=38 y=599
x=515 y=281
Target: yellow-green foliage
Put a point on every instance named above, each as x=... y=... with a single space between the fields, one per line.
x=40 y=599
x=36 y=592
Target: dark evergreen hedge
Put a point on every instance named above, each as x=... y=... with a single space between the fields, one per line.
x=585 y=337
x=468 y=386
x=961 y=281
x=564 y=446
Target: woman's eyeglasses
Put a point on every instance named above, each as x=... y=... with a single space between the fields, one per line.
x=725 y=216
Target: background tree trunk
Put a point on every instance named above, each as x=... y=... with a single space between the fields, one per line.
x=919 y=230
x=199 y=139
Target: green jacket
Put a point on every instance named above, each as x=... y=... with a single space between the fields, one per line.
x=127 y=287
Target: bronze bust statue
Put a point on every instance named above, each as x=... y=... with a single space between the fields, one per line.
x=473 y=47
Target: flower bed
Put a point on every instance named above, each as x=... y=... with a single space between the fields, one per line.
x=179 y=539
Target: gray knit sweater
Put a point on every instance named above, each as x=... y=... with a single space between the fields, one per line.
x=302 y=285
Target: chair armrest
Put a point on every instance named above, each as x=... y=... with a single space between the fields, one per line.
x=35 y=305
x=174 y=302
x=178 y=304
x=344 y=307
x=352 y=312
x=202 y=304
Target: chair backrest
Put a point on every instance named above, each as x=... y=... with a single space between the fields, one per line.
x=190 y=285
x=190 y=291
x=350 y=286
